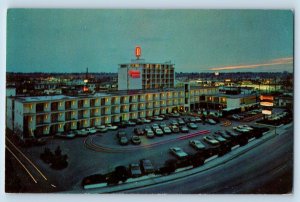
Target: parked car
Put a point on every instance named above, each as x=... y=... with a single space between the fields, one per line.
x=174 y=114
x=122 y=124
x=223 y=134
x=67 y=135
x=197 y=119
x=157 y=118
x=146 y=166
x=186 y=120
x=236 y=117
x=192 y=125
x=138 y=131
x=240 y=129
x=197 y=144
x=246 y=127
x=149 y=133
x=139 y=122
x=211 y=121
x=174 y=122
x=210 y=140
x=232 y=134
x=123 y=140
x=178 y=152
x=101 y=129
x=174 y=128
x=181 y=122
x=166 y=130
x=91 y=130
x=131 y=123
x=135 y=170
x=166 y=117
x=158 y=132
x=135 y=139
x=111 y=127
x=155 y=126
x=184 y=129
x=219 y=138
x=162 y=125
x=145 y=120
x=192 y=120
x=81 y=132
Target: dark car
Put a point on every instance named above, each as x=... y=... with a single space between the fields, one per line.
x=184 y=129
x=122 y=124
x=135 y=170
x=146 y=166
x=139 y=121
x=192 y=120
x=123 y=140
x=138 y=131
x=174 y=128
x=135 y=139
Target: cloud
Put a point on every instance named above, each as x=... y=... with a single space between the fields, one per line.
x=278 y=61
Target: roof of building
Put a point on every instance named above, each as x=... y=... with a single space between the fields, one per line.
x=231 y=96
x=102 y=94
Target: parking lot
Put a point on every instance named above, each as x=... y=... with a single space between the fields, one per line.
x=101 y=152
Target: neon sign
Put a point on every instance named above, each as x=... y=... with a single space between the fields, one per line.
x=134 y=74
x=138 y=52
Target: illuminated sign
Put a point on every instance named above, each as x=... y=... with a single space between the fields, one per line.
x=138 y=52
x=134 y=74
x=266 y=97
x=85 y=89
x=266 y=112
x=267 y=104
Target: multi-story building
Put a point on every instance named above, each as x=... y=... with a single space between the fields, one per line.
x=142 y=75
x=46 y=115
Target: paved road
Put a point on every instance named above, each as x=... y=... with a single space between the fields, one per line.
x=269 y=164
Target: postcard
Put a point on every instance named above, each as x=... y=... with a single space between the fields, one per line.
x=176 y=101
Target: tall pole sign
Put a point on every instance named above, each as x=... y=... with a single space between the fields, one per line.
x=138 y=52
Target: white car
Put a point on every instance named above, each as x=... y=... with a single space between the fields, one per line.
x=91 y=130
x=197 y=119
x=145 y=120
x=178 y=152
x=211 y=121
x=246 y=127
x=157 y=118
x=197 y=144
x=101 y=129
x=81 y=132
x=210 y=140
x=239 y=129
x=155 y=126
x=158 y=132
x=111 y=127
x=167 y=130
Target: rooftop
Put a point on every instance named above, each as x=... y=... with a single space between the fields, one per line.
x=102 y=94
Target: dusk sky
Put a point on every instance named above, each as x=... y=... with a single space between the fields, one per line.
x=194 y=40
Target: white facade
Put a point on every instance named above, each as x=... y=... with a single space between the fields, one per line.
x=141 y=75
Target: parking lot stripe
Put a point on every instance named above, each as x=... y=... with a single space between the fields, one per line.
x=90 y=144
x=21 y=164
x=27 y=159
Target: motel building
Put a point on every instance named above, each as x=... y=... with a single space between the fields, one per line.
x=145 y=90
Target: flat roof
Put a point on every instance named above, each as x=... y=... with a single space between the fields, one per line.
x=230 y=96
x=102 y=94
